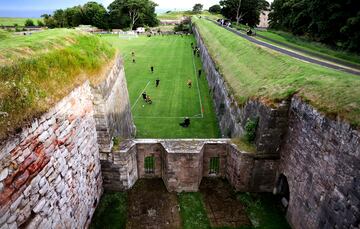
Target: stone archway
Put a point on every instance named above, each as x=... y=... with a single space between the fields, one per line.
x=282 y=189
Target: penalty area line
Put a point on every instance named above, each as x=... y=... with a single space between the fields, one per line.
x=140 y=95
x=197 y=84
x=162 y=117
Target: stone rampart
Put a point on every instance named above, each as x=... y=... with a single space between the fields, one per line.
x=50 y=173
x=321 y=161
x=319 y=156
x=112 y=107
x=272 y=121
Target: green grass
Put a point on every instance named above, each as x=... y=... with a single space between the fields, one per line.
x=264 y=210
x=254 y=72
x=309 y=46
x=244 y=145
x=304 y=45
x=176 y=15
x=10 y=21
x=192 y=211
x=111 y=211
x=37 y=71
x=172 y=59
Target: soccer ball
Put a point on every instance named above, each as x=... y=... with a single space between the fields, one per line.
x=143 y=105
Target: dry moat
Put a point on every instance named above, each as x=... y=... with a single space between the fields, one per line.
x=149 y=205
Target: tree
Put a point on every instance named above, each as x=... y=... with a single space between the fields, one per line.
x=49 y=21
x=239 y=14
x=40 y=23
x=74 y=16
x=245 y=11
x=215 y=9
x=59 y=18
x=333 y=22
x=197 y=8
x=95 y=14
x=133 y=13
x=29 y=22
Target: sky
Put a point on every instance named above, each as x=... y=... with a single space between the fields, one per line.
x=18 y=8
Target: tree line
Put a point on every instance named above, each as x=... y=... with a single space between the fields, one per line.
x=333 y=22
x=120 y=14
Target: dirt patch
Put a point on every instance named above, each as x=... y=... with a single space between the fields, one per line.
x=151 y=206
x=222 y=207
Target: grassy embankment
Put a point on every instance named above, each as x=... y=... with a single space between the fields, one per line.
x=174 y=64
x=254 y=72
x=10 y=21
x=38 y=70
x=302 y=44
x=176 y=15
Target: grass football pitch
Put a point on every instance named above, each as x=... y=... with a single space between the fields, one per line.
x=174 y=64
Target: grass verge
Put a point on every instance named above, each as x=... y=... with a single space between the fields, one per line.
x=37 y=71
x=177 y=15
x=254 y=72
x=310 y=47
x=264 y=210
x=192 y=211
x=10 y=21
x=111 y=211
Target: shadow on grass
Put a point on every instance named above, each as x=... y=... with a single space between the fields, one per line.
x=111 y=211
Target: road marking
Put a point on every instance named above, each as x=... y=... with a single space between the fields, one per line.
x=140 y=95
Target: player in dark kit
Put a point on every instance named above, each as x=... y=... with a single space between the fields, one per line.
x=157 y=81
x=134 y=60
x=144 y=95
x=199 y=73
x=152 y=69
x=185 y=123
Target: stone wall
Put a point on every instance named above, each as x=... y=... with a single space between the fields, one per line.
x=182 y=163
x=145 y=150
x=215 y=150
x=247 y=172
x=112 y=107
x=321 y=160
x=50 y=173
x=232 y=117
x=119 y=168
x=320 y=157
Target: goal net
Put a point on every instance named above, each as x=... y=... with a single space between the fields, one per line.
x=128 y=35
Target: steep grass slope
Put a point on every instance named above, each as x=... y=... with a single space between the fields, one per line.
x=258 y=73
x=38 y=70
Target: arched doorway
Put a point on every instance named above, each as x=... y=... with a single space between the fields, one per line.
x=282 y=189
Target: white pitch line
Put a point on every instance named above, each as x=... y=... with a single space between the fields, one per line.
x=140 y=95
x=155 y=117
x=197 y=84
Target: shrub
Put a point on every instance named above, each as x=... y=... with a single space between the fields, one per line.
x=250 y=129
x=29 y=22
x=40 y=23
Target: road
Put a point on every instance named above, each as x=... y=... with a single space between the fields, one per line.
x=290 y=53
